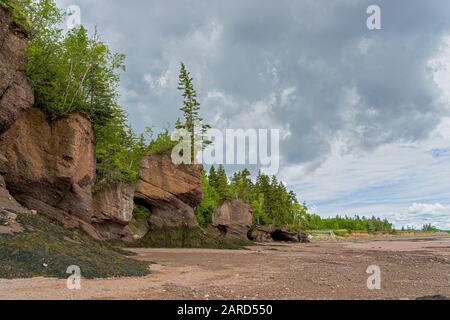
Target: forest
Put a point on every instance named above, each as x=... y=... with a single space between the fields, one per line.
x=73 y=71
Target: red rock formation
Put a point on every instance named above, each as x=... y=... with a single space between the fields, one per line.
x=234 y=218
x=50 y=165
x=169 y=191
x=113 y=210
x=269 y=234
x=15 y=93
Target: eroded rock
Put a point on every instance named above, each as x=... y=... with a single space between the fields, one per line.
x=16 y=95
x=113 y=210
x=50 y=165
x=171 y=192
x=234 y=219
x=261 y=234
x=269 y=234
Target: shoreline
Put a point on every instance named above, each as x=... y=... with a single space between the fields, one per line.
x=318 y=270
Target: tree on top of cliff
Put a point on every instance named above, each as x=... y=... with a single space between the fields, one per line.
x=77 y=72
x=193 y=123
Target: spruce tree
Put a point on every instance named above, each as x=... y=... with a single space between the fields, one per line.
x=212 y=177
x=222 y=187
x=190 y=109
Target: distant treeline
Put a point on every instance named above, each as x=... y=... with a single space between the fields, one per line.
x=373 y=224
x=271 y=201
x=273 y=204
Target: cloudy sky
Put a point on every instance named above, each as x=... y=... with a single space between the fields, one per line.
x=364 y=114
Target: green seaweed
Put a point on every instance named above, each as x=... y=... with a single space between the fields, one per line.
x=184 y=237
x=47 y=249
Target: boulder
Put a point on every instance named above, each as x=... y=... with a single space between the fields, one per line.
x=16 y=95
x=234 y=219
x=113 y=209
x=170 y=191
x=7 y=202
x=50 y=165
x=269 y=234
x=287 y=235
x=135 y=230
x=261 y=234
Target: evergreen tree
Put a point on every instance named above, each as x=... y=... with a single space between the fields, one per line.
x=192 y=120
x=221 y=185
x=213 y=177
x=205 y=209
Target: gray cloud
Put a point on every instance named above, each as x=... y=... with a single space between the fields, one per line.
x=310 y=68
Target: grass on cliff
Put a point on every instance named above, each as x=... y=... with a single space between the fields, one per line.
x=185 y=237
x=46 y=249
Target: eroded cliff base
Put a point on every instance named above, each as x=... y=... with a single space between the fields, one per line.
x=185 y=237
x=44 y=248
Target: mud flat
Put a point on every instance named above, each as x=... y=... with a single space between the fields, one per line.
x=410 y=268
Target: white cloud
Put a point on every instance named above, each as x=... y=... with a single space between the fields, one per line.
x=425 y=208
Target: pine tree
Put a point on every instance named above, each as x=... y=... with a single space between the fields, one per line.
x=190 y=109
x=212 y=177
x=222 y=186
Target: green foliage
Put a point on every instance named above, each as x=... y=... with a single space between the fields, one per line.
x=273 y=204
x=69 y=72
x=205 y=209
x=185 y=237
x=19 y=12
x=140 y=212
x=193 y=123
x=119 y=150
x=314 y=222
x=46 y=249
x=429 y=228
x=73 y=72
x=219 y=182
x=162 y=144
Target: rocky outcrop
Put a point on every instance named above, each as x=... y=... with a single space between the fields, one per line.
x=269 y=234
x=7 y=202
x=171 y=192
x=16 y=95
x=50 y=166
x=234 y=219
x=135 y=230
x=113 y=210
x=261 y=234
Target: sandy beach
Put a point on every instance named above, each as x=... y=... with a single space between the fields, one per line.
x=410 y=268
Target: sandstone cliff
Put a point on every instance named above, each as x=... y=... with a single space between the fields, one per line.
x=113 y=210
x=50 y=166
x=15 y=93
x=234 y=219
x=171 y=192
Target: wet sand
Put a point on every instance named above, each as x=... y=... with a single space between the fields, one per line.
x=409 y=269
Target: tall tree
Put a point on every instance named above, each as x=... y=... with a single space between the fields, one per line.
x=193 y=123
x=221 y=184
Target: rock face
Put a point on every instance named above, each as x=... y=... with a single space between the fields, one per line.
x=7 y=202
x=261 y=234
x=113 y=210
x=169 y=191
x=15 y=93
x=234 y=219
x=269 y=234
x=50 y=166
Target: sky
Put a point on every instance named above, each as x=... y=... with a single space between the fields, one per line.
x=365 y=114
